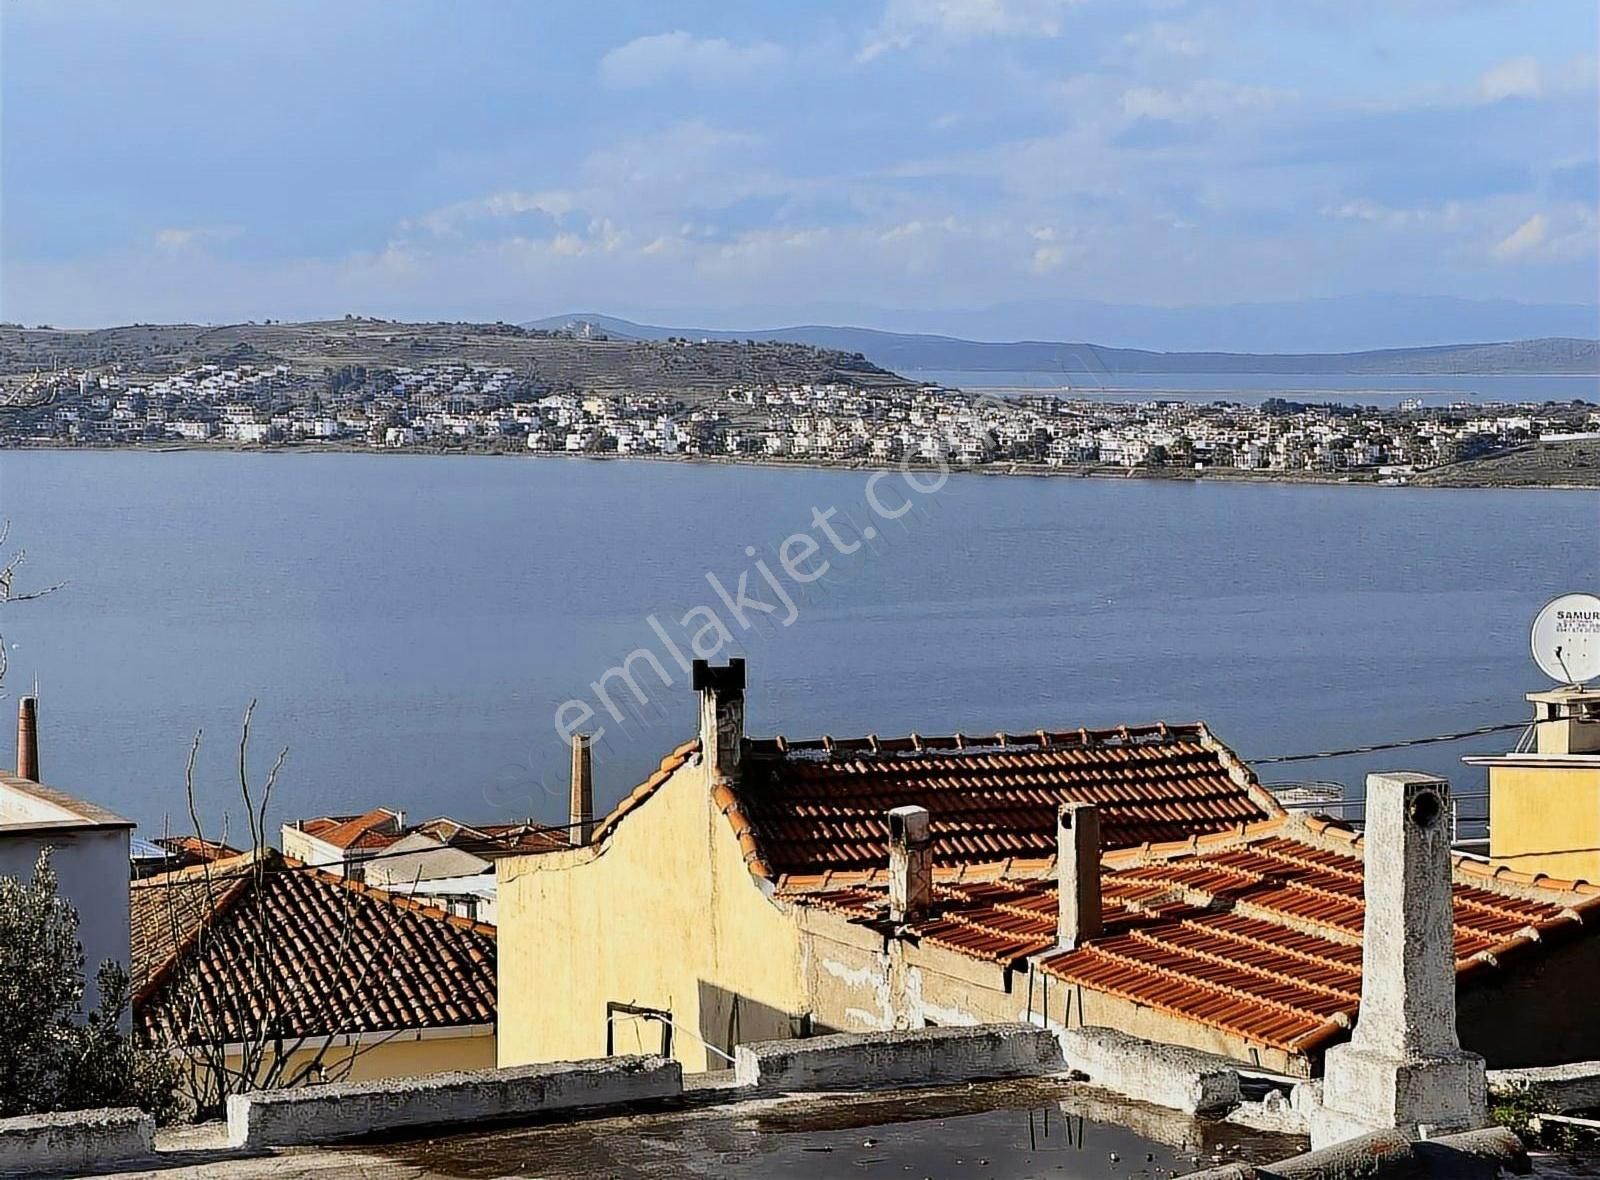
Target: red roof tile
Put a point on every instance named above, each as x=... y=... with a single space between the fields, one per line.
x=345 y=957
x=378 y=828
x=192 y=850
x=669 y=766
x=1255 y=933
x=815 y=807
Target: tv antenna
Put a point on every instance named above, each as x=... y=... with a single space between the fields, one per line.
x=1566 y=639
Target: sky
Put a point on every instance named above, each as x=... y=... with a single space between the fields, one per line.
x=764 y=162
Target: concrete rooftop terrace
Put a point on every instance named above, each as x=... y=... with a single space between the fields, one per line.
x=999 y=1130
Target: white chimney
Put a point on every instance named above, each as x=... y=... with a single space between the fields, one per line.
x=1404 y=1067
x=581 y=814
x=721 y=717
x=1077 y=874
x=910 y=864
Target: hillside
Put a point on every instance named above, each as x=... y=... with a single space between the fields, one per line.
x=554 y=359
x=905 y=352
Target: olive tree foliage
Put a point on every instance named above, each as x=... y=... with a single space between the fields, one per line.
x=53 y=1056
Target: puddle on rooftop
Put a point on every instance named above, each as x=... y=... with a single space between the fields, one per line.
x=999 y=1130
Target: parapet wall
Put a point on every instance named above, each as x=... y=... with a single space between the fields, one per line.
x=916 y=1057
x=324 y=1114
x=1163 y=1075
x=74 y=1141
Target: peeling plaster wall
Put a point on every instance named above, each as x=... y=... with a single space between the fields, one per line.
x=860 y=984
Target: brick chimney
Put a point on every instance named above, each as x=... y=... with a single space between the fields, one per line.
x=1403 y=1067
x=582 y=804
x=1077 y=874
x=910 y=863
x=721 y=717
x=28 y=739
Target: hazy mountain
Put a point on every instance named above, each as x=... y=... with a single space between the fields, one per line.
x=906 y=352
x=1347 y=324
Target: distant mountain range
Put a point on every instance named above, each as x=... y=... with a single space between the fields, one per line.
x=1344 y=323
x=915 y=352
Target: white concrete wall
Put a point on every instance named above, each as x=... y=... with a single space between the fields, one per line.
x=323 y=1114
x=92 y=871
x=1162 y=1075
x=74 y=1141
x=918 y=1057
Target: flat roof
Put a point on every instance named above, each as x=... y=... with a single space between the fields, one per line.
x=996 y=1130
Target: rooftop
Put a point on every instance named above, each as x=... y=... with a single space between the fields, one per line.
x=492 y=840
x=1256 y=932
x=349 y=958
x=813 y=807
x=373 y=830
x=1015 y=1128
x=25 y=802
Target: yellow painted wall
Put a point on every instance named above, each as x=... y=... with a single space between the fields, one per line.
x=400 y=1057
x=663 y=914
x=1546 y=819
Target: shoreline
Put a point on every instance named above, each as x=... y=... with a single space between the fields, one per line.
x=994 y=470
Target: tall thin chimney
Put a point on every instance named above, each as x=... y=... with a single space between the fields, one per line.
x=28 y=738
x=910 y=864
x=582 y=805
x=1403 y=1066
x=721 y=717
x=1078 y=916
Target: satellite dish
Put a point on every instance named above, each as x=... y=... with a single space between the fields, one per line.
x=1566 y=639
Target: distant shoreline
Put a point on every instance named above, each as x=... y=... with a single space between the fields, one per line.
x=1424 y=479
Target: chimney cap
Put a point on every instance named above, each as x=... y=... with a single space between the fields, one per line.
x=725 y=679
x=910 y=823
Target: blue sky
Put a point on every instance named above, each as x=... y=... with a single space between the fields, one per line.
x=765 y=161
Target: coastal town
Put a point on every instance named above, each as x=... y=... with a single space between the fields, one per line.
x=466 y=407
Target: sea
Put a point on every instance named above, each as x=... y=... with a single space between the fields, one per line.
x=417 y=631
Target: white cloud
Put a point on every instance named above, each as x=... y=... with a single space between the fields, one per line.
x=1526 y=237
x=453 y=218
x=906 y=21
x=1164 y=38
x=682 y=57
x=1449 y=215
x=1208 y=98
x=1517 y=77
x=182 y=238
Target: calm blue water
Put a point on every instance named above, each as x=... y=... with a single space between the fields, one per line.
x=1253 y=388
x=410 y=624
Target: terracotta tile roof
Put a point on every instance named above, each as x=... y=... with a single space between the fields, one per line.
x=492 y=840
x=347 y=957
x=378 y=828
x=193 y=850
x=817 y=807
x=669 y=766
x=1256 y=932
